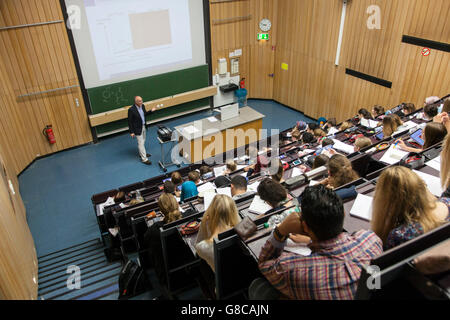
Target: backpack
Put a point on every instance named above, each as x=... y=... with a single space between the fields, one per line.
x=132 y=280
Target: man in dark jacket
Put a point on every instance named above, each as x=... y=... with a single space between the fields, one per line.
x=136 y=124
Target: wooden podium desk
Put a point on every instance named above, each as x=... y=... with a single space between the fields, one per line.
x=203 y=139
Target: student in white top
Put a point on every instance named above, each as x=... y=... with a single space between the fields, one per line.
x=221 y=215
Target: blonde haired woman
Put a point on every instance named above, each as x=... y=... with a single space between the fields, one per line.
x=340 y=172
x=403 y=208
x=445 y=167
x=169 y=207
x=391 y=123
x=221 y=215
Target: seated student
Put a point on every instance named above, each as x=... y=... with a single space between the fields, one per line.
x=308 y=138
x=391 y=124
x=329 y=124
x=327 y=142
x=445 y=167
x=432 y=134
x=169 y=187
x=169 y=207
x=177 y=180
x=404 y=208
x=446 y=107
x=319 y=133
x=221 y=215
x=119 y=197
x=231 y=167
x=299 y=127
x=430 y=100
x=332 y=270
x=345 y=125
x=257 y=162
x=189 y=188
x=239 y=188
x=340 y=172
x=296 y=135
x=408 y=108
x=319 y=161
x=311 y=127
x=377 y=111
x=279 y=172
x=364 y=114
x=274 y=194
x=430 y=111
x=362 y=143
x=206 y=172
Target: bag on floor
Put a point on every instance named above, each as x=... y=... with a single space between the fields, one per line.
x=132 y=280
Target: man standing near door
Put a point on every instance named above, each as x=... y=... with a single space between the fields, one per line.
x=136 y=124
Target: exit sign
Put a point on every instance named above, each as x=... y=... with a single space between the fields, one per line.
x=263 y=36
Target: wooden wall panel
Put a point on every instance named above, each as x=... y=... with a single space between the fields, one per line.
x=257 y=60
x=35 y=59
x=307 y=35
x=18 y=260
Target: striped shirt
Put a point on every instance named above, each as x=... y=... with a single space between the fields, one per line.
x=331 y=272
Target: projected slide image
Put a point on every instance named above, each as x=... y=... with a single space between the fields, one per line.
x=138 y=35
x=141 y=23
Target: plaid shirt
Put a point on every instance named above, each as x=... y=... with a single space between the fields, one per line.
x=331 y=272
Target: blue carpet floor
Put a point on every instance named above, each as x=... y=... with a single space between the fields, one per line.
x=57 y=189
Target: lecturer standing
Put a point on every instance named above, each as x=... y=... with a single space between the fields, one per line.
x=136 y=124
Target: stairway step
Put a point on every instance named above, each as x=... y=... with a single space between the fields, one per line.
x=73 y=262
x=68 y=248
x=61 y=280
x=63 y=269
x=69 y=254
x=101 y=292
x=96 y=281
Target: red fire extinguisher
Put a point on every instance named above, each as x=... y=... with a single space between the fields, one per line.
x=242 y=83
x=48 y=132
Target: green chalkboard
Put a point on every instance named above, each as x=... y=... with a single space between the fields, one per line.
x=121 y=94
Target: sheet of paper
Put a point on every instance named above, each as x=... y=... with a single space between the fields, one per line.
x=332 y=131
x=108 y=202
x=288 y=134
x=296 y=172
x=433 y=183
x=206 y=187
x=191 y=129
x=297 y=248
x=208 y=198
x=212 y=119
x=226 y=191
x=364 y=122
x=362 y=207
x=259 y=206
x=340 y=146
x=241 y=166
x=435 y=163
x=393 y=155
x=218 y=171
x=313 y=183
x=254 y=186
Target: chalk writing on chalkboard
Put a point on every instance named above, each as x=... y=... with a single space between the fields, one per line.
x=113 y=96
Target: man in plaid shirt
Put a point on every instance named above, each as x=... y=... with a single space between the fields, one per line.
x=334 y=266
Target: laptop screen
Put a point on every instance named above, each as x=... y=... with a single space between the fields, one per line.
x=416 y=137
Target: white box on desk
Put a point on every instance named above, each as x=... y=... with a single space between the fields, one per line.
x=229 y=112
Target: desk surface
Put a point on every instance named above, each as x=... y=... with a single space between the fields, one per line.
x=206 y=127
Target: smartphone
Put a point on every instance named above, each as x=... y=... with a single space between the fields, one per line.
x=297 y=162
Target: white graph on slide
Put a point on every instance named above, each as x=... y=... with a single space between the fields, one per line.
x=136 y=35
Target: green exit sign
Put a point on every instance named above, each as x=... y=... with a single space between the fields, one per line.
x=263 y=36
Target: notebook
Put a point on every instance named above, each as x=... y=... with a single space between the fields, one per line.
x=297 y=248
x=208 y=198
x=259 y=206
x=433 y=183
x=254 y=186
x=218 y=171
x=226 y=191
x=296 y=172
x=340 y=146
x=362 y=207
x=435 y=163
x=393 y=155
x=206 y=187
